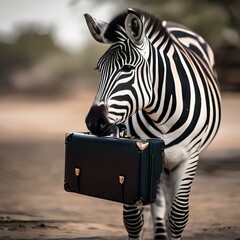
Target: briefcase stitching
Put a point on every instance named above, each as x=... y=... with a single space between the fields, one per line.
x=139 y=201
x=151 y=159
x=66 y=187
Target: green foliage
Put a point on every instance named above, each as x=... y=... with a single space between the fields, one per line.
x=34 y=64
x=208 y=18
x=29 y=47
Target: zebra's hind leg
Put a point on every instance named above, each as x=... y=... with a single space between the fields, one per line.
x=133 y=221
x=181 y=180
x=160 y=207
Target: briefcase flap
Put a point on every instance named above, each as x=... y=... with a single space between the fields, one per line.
x=116 y=169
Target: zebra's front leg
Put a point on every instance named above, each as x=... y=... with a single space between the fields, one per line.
x=160 y=208
x=133 y=221
x=181 y=180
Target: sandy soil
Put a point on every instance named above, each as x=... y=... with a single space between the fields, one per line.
x=33 y=204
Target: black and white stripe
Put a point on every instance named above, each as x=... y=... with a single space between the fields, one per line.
x=159 y=79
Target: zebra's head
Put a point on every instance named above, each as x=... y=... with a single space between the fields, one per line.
x=125 y=79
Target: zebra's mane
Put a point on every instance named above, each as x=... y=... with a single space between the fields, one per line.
x=115 y=29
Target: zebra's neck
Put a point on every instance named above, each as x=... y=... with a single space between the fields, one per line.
x=163 y=91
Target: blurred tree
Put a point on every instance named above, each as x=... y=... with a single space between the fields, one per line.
x=217 y=20
x=29 y=47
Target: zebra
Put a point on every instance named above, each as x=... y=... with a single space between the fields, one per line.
x=158 y=79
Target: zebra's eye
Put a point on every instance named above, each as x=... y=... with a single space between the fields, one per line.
x=127 y=68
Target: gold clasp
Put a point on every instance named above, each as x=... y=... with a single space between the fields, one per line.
x=77 y=171
x=121 y=179
x=67 y=134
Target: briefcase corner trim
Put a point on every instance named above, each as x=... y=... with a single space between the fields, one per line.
x=68 y=136
x=142 y=145
x=66 y=187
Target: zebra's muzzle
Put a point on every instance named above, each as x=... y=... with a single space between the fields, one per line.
x=97 y=121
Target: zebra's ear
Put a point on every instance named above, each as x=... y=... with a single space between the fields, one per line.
x=97 y=28
x=134 y=27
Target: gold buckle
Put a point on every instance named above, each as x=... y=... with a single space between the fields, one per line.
x=77 y=171
x=121 y=179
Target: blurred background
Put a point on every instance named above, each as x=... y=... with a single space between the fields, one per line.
x=46 y=49
x=47 y=85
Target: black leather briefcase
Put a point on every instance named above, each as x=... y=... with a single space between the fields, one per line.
x=118 y=169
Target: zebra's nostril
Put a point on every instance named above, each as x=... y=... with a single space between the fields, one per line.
x=97 y=121
x=102 y=123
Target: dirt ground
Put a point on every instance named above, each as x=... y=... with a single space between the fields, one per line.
x=34 y=205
